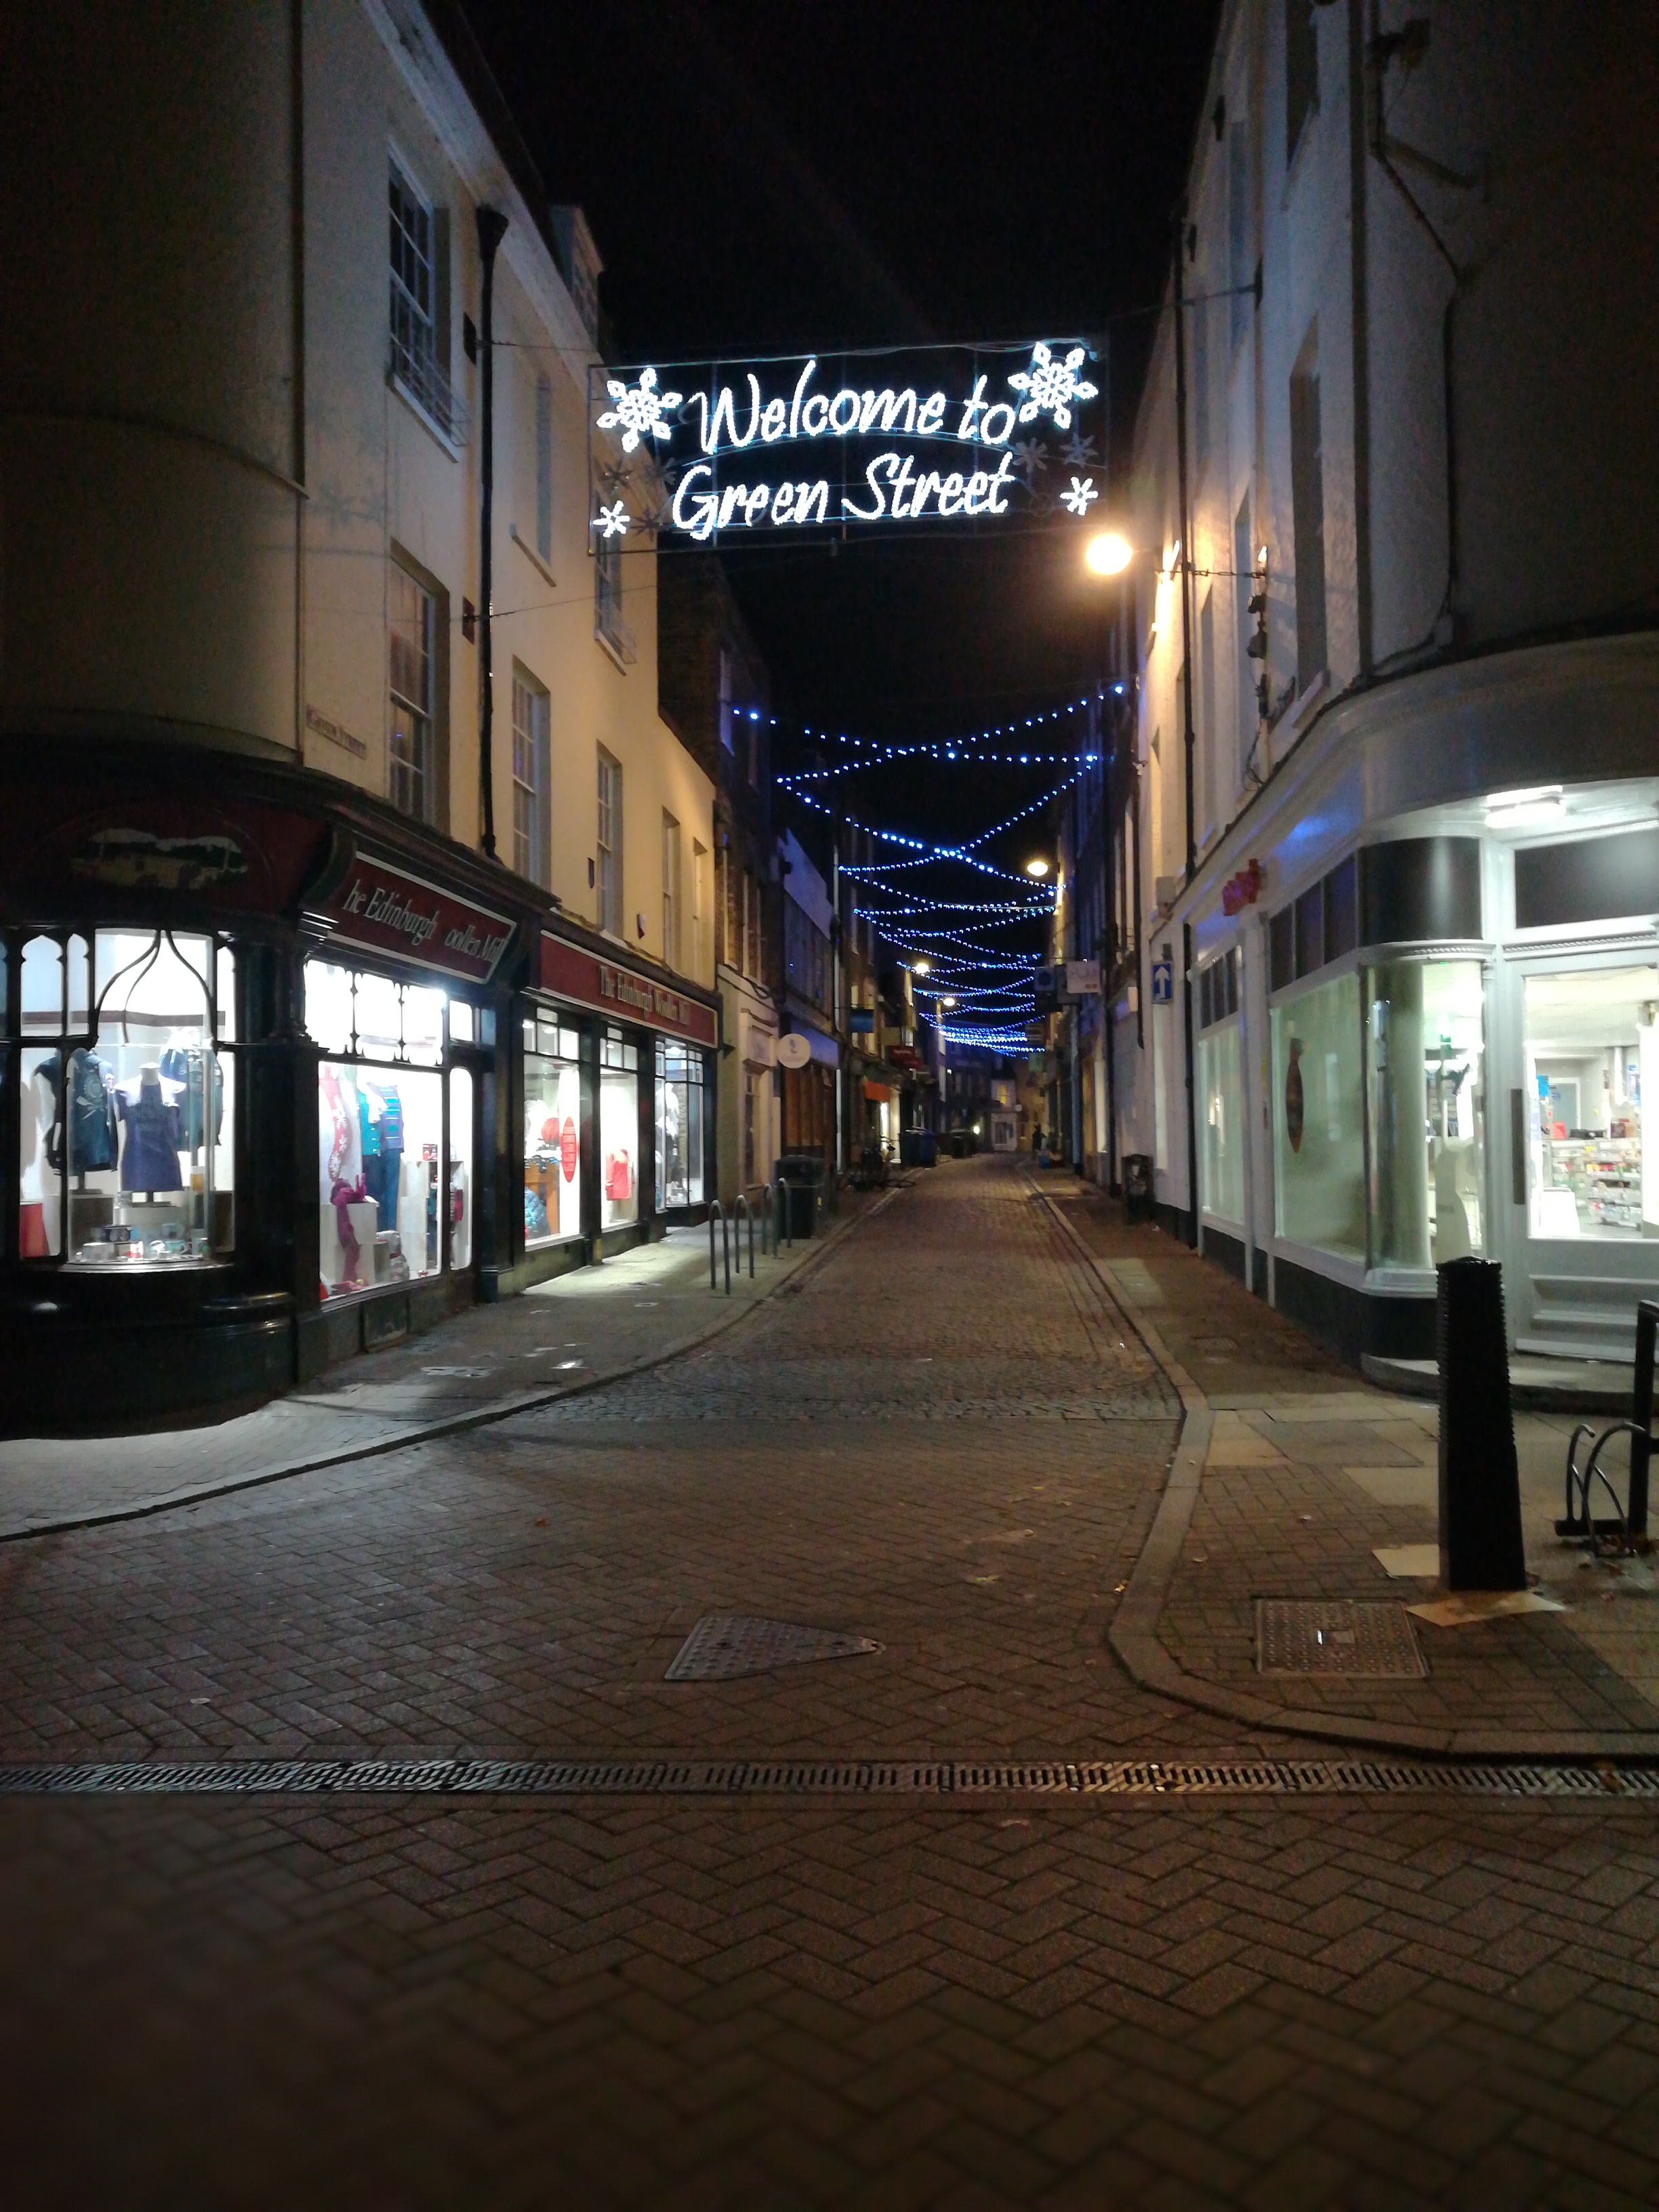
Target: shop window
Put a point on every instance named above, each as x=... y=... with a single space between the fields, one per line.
x=552 y=1132
x=460 y=1167
x=382 y=1163
x=1318 y=1138
x=1592 y=1059
x=619 y=1130
x=679 y=1124
x=128 y=1097
x=1221 y=1154
x=1425 y=1109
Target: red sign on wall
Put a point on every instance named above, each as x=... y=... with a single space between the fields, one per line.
x=383 y=908
x=584 y=979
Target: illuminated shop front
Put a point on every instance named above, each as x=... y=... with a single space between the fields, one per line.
x=616 y=1079
x=248 y=1044
x=1458 y=1037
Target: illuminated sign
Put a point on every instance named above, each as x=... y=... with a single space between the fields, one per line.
x=932 y=435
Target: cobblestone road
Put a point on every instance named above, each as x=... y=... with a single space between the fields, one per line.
x=945 y=1440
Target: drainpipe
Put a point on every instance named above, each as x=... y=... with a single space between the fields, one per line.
x=492 y=228
x=1189 y=740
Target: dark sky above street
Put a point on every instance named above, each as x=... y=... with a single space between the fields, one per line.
x=776 y=175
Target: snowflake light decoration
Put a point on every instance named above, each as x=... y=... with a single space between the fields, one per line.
x=612 y=521
x=1029 y=459
x=638 y=412
x=1080 y=452
x=1051 y=385
x=1080 y=496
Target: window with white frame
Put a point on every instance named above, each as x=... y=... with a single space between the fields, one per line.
x=1308 y=516
x=725 y=699
x=1301 y=71
x=545 y=467
x=670 y=889
x=608 y=873
x=417 y=360
x=699 y=905
x=529 y=777
x=608 y=621
x=411 y=778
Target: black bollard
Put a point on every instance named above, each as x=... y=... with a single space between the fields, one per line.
x=1481 y=1546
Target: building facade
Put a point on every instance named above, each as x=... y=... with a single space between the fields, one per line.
x=351 y=971
x=1386 y=972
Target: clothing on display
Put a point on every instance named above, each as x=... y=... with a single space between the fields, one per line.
x=89 y=1108
x=153 y=1135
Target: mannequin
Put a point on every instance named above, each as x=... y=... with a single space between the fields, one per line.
x=149 y=1155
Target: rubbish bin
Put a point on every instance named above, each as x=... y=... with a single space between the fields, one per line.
x=1481 y=1544
x=803 y=1178
x=909 y=1148
x=1136 y=1187
x=927 y=1148
x=958 y=1144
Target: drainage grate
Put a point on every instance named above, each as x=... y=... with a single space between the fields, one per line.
x=941 y=1781
x=723 y=1645
x=1336 y=1636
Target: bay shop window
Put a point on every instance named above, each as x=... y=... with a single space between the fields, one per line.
x=394 y=1127
x=124 y=1047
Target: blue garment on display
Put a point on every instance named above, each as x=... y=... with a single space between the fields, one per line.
x=150 y=1158
x=175 y=1065
x=381 y=1116
x=94 y=1140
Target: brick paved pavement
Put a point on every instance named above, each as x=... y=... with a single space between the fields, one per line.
x=945 y=1439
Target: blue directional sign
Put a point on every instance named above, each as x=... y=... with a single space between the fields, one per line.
x=1163 y=982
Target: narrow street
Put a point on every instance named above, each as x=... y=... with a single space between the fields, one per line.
x=945 y=1441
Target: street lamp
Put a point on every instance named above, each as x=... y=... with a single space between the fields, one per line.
x=1037 y=867
x=947 y=1001
x=1108 y=553
x=921 y=968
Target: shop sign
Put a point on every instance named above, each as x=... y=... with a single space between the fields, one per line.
x=1242 y=889
x=246 y=857
x=379 y=907
x=794 y=1050
x=1083 y=979
x=872 y=439
x=569 y=972
x=861 y=1021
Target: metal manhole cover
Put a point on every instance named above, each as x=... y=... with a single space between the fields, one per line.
x=1336 y=1636
x=723 y=1645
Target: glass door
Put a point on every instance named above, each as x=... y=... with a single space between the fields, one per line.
x=1581 y=1203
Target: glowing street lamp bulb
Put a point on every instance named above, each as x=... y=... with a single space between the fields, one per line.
x=923 y=968
x=1038 y=867
x=1108 y=553
x=947 y=1002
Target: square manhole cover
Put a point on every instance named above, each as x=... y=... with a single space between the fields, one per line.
x=723 y=1645
x=1336 y=1636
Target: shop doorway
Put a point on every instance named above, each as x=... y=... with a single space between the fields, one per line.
x=1581 y=1202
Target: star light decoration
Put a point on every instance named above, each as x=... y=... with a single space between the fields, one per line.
x=638 y=413
x=612 y=522
x=1050 y=385
x=1080 y=496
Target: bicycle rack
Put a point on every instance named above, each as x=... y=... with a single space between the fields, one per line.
x=1631 y=1525
x=782 y=1217
x=748 y=1215
x=717 y=1212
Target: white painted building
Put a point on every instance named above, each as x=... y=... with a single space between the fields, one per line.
x=242 y=635
x=1414 y=916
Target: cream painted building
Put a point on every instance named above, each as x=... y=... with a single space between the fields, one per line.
x=250 y=905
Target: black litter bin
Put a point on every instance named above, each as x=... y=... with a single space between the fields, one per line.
x=958 y=1144
x=1136 y=1187
x=927 y=1148
x=909 y=1148
x=803 y=1178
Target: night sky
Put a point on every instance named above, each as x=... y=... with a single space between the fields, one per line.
x=800 y=174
